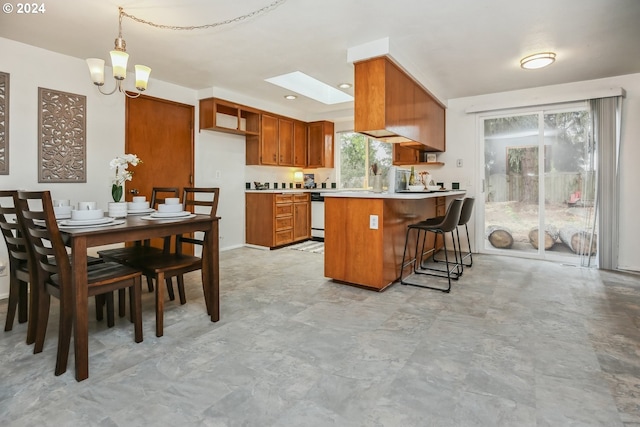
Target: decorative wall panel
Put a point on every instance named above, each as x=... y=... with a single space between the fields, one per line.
x=4 y=123
x=62 y=144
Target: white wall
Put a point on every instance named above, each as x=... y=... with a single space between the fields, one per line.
x=30 y=67
x=462 y=143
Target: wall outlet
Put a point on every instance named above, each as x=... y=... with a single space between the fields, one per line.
x=373 y=222
x=218 y=174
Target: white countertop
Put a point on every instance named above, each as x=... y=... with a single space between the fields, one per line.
x=294 y=190
x=385 y=195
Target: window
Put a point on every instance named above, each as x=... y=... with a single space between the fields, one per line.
x=357 y=153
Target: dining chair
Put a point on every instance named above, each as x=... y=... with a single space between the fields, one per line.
x=175 y=264
x=19 y=277
x=447 y=224
x=144 y=248
x=45 y=243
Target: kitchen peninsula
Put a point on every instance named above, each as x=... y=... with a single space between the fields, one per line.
x=365 y=233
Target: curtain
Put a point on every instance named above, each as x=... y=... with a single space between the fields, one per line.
x=606 y=117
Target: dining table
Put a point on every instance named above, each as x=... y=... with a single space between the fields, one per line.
x=131 y=229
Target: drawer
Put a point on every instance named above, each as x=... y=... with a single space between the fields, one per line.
x=282 y=237
x=284 y=210
x=284 y=223
x=297 y=198
x=284 y=198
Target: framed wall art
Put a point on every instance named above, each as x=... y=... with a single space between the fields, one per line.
x=62 y=142
x=4 y=123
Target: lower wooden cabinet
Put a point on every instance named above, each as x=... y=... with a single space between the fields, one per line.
x=276 y=219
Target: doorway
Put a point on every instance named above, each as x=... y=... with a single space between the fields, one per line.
x=539 y=184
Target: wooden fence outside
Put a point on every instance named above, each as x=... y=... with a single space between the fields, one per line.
x=558 y=187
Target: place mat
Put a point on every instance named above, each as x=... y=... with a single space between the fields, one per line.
x=106 y=224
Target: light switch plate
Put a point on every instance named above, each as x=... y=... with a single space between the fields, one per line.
x=459 y=163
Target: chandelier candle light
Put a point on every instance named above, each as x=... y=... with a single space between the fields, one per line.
x=119 y=58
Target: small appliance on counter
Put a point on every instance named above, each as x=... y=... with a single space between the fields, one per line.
x=398 y=179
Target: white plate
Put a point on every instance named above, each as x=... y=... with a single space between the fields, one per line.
x=155 y=218
x=105 y=224
x=140 y=211
x=81 y=222
x=63 y=216
x=170 y=214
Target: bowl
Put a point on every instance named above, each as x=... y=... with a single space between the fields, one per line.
x=86 y=214
x=416 y=187
x=172 y=201
x=138 y=199
x=137 y=206
x=62 y=211
x=169 y=208
x=433 y=187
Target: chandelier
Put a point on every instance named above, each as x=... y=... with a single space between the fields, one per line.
x=119 y=55
x=119 y=58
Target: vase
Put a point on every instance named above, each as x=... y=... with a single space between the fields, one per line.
x=377 y=183
x=117 y=209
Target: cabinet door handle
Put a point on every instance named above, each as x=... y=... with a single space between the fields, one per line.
x=274 y=157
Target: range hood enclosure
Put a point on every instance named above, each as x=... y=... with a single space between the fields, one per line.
x=390 y=106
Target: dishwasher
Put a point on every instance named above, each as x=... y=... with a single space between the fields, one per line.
x=317 y=216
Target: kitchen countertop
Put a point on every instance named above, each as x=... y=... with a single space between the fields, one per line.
x=295 y=190
x=407 y=195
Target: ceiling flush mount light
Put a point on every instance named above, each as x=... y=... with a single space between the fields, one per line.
x=344 y=85
x=538 y=60
x=290 y=97
x=119 y=58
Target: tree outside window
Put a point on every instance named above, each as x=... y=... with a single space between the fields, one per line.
x=357 y=153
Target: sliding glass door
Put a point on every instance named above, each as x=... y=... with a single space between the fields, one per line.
x=539 y=179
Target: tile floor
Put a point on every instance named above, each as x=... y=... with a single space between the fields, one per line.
x=516 y=343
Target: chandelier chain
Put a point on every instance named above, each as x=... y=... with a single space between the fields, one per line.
x=206 y=26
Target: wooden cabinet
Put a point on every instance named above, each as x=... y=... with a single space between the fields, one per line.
x=285 y=142
x=274 y=145
x=403 y=155
x=268 y=147
x=320 y=145
x=224 y=116
x=391 y=106
x=299 y=144
x=301 y=217
x=276 y=219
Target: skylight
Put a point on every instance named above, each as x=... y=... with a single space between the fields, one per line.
x=307 y=86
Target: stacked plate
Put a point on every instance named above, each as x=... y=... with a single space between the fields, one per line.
x=169 y=215
x=82 y=223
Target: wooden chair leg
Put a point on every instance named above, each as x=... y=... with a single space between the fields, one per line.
x=136 y=307
x=122 y=309
x=14 y=296
x=23 y=301
x=150 y=284
x=100 y=303
x=169 y=282
x=181 y=293
x=64 y=336
x=159 y=305
x=44 y=302
x=110 y=309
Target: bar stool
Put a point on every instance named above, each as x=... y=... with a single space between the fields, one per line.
x=447 y=225
x=465 y=216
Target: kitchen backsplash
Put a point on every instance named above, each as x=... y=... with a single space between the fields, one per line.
x=285 y=175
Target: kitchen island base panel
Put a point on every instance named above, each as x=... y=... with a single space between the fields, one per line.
x=371 y=258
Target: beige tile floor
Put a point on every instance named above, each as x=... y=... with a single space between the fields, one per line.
x=516 y=343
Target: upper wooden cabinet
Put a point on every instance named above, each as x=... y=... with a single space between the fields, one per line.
x=299 y=144
x=224 y=116
x=410 y=156
x=273 y=146
x=320 y=147
x=391 y=106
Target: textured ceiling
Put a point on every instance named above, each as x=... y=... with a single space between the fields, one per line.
x=455 y=48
